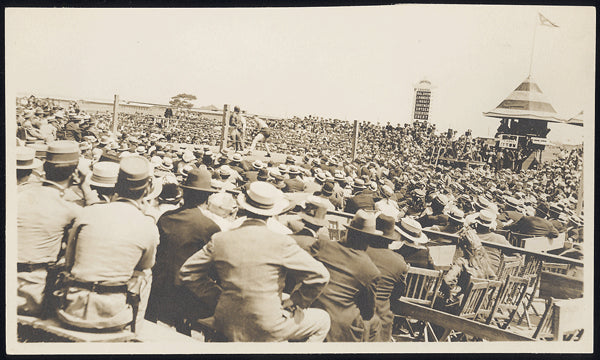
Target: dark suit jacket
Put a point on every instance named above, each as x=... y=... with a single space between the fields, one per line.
x=183 y=232
x=349 y=297
x=393 y=270
x=362 y=200
x=430 y=220
x=534 y=226
x=510 y=215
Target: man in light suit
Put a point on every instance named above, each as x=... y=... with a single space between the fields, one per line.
x=251 y=264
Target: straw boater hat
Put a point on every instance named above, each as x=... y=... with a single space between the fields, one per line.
x=411 y=229
x=320 y=177
x=456 y=214
x=257 y=164
x=293 y=170
x=199 y=180
x=26 y=159
x=365 y=223
x=63 y=153
x=359 y=184
x=105 y=174
x=327 y=189
x=441 y=200
x=236 y=157
x=40 y=150
x=134 y=172
x=263 y=198
x=485 y=218
x=315 y=211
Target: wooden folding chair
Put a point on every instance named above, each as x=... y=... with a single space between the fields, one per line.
x=469 y=307
x=422 y=286
x=530 y=270
x=506 y=305
x=560 y=321
x=509 y=265
x=494 y=289
x=334 y=230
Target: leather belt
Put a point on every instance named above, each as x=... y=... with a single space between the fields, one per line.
x=98 y=288
x=28 y=267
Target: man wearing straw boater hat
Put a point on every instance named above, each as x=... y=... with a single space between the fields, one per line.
x=257 y=260
x=183 y=231
x=393 y=271
x=43 y=215
x=102 y=180
x=483 y=223
x=26 y=163
x=349 y=297
x=110 y=252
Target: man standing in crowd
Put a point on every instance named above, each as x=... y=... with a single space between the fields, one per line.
x=236 y=126
x=251 y=264
x=43 y=216
x=183 y=232
x=110 y=252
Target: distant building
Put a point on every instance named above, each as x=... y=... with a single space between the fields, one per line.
x=422 y=101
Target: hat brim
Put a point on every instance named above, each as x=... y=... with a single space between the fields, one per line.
x=102 y=185
x=314 y=220
x=456 y=219
x=279 y=206
x=374 y=233
x=396 y=236
x=423 y=239
x=211 y=190
x=483 y=223
x=34 y=165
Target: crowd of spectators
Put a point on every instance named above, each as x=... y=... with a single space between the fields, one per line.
x=181 y=211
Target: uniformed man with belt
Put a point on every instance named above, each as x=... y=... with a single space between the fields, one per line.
x=110 y=252
x=43 y=215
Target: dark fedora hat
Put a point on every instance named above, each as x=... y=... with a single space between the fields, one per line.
x=199 y=180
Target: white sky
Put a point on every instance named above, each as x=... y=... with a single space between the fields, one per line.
x=350 y=63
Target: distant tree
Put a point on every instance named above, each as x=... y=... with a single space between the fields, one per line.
x=182 y=101
x=168 y=113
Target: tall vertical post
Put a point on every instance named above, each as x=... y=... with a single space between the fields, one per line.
x=580 y=195
x=354 y=139
x=115 y=119
x=225 y=127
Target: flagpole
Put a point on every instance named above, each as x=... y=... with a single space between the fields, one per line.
x=532 y=46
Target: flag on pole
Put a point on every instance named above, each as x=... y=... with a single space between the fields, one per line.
x=545 y=22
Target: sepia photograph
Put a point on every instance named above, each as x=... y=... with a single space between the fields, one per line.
x=405 y=178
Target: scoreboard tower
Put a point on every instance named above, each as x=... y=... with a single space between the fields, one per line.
x=422 y=101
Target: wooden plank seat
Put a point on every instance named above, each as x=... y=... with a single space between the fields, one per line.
x=404 y=307
x=57 y=329
x=59 y=332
